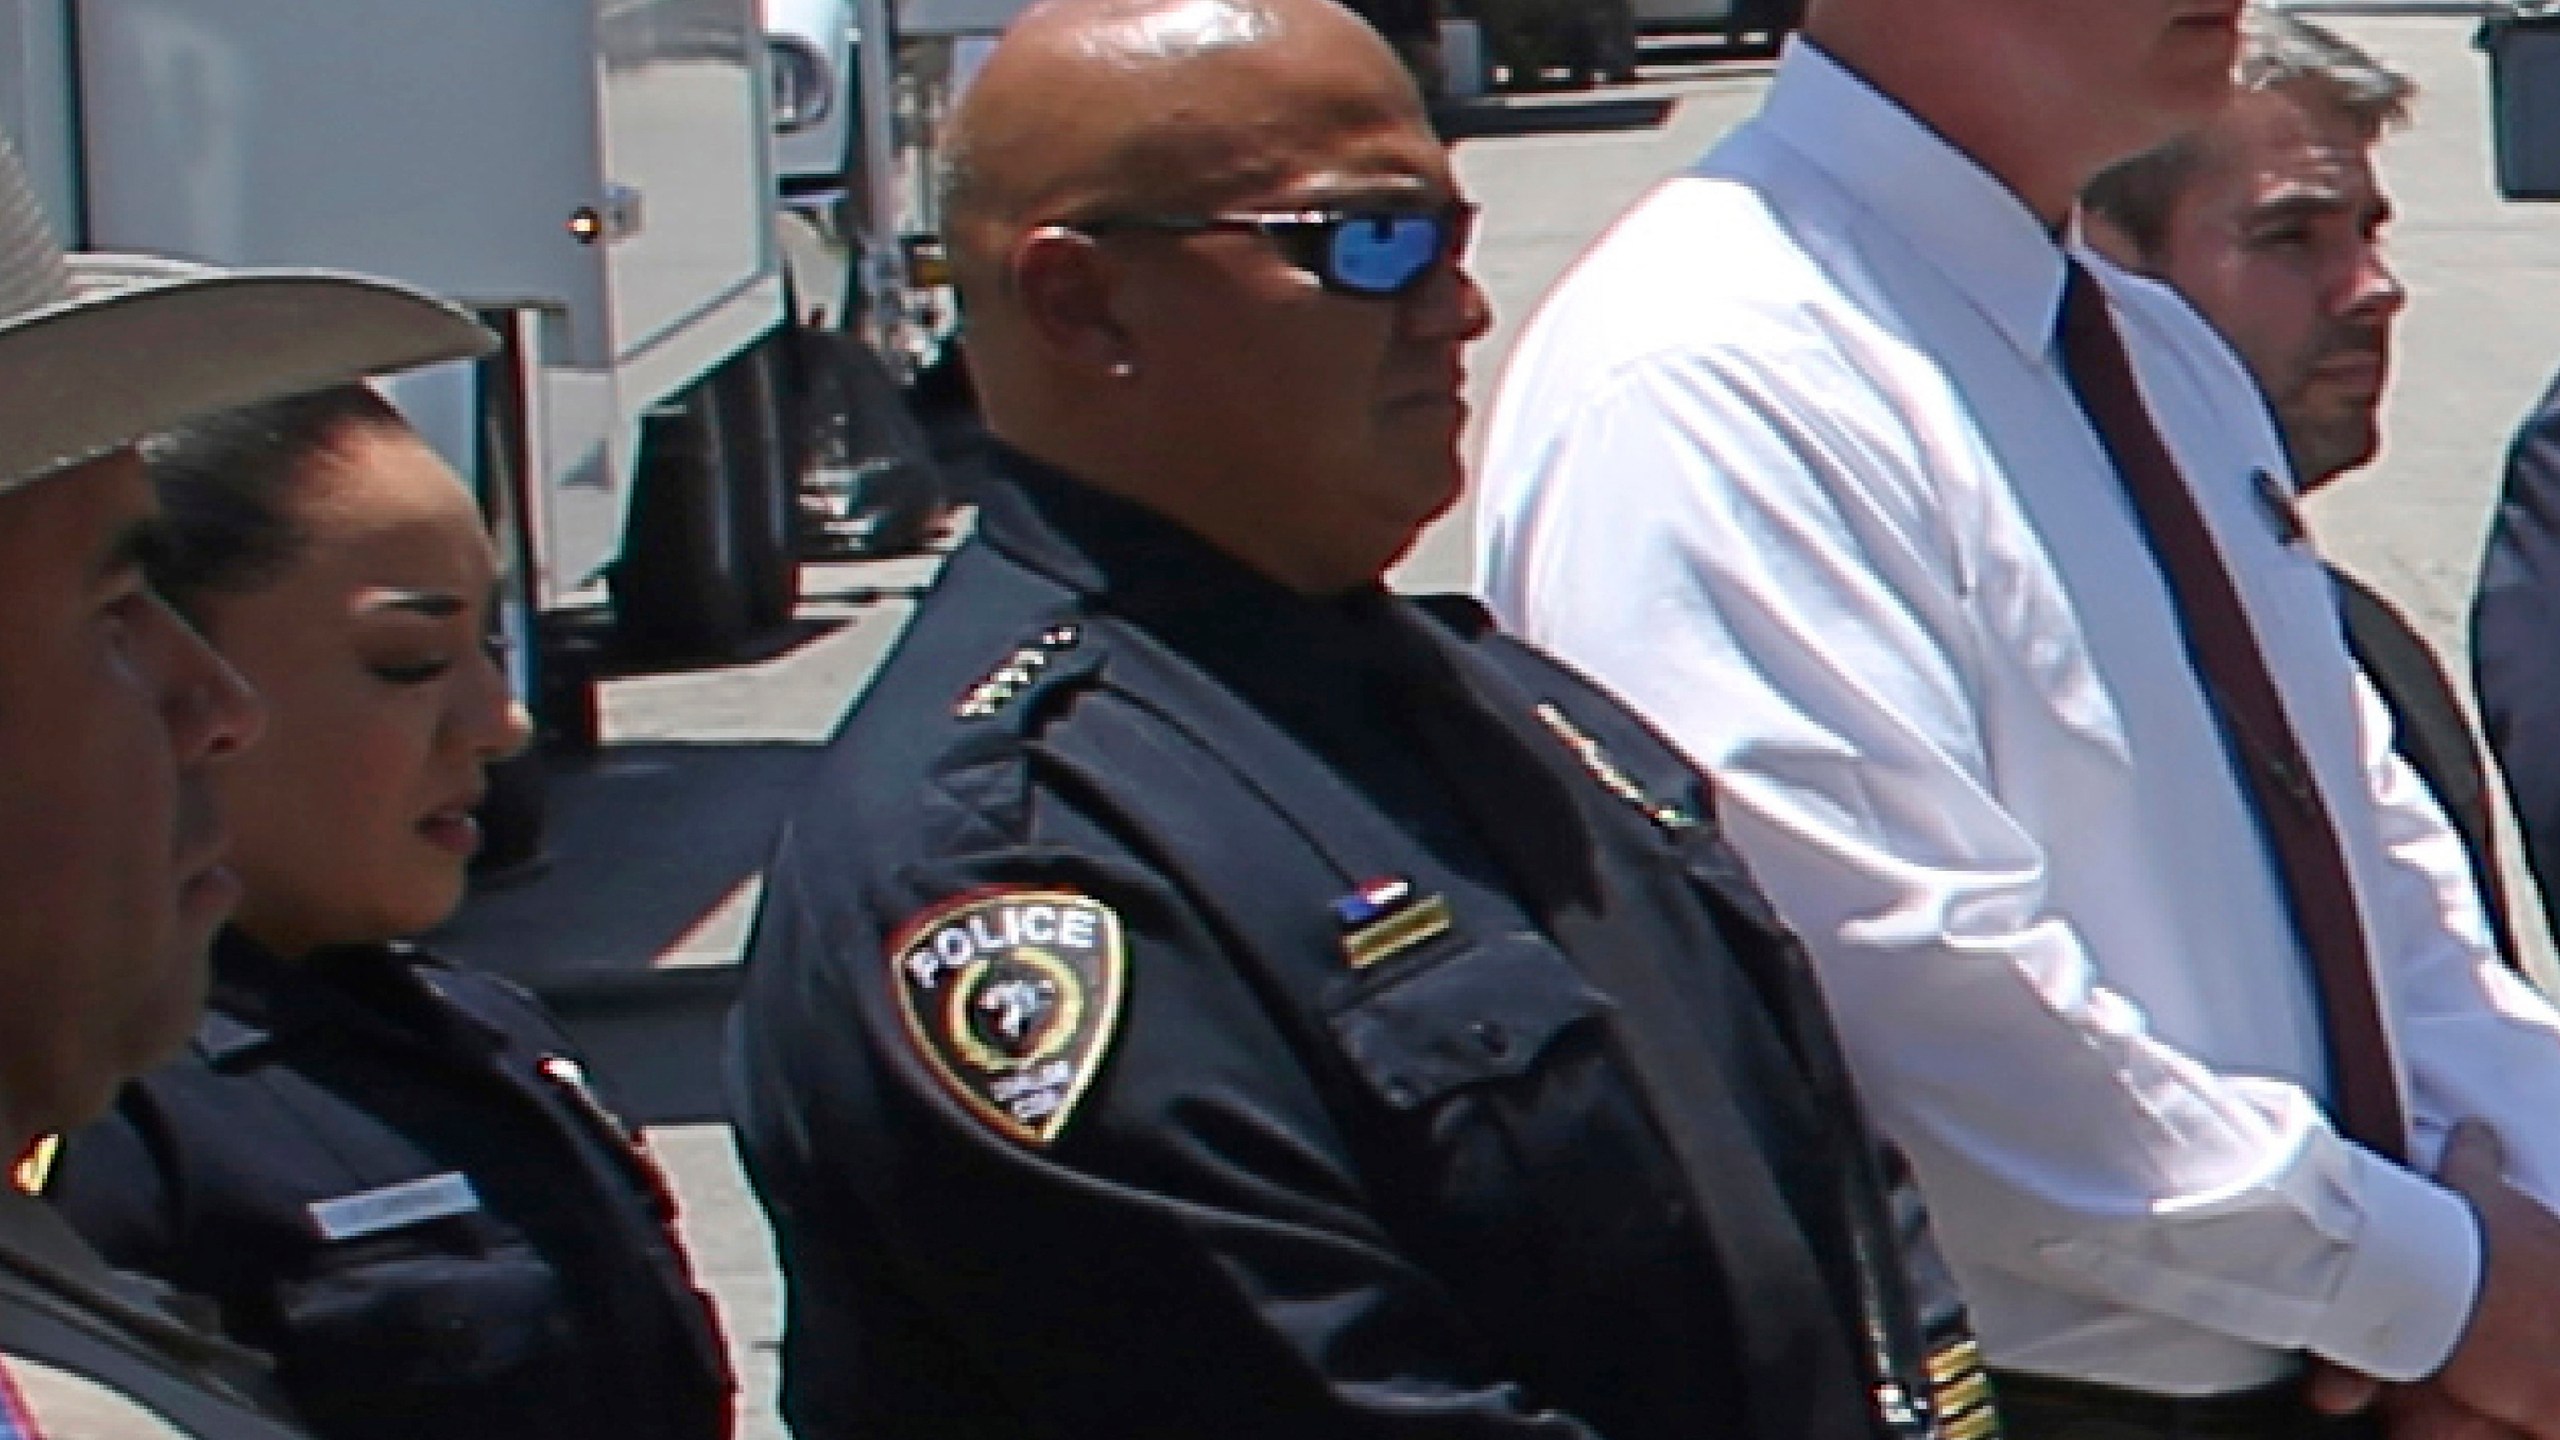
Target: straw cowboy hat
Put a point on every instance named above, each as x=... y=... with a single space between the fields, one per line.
x=97 y=351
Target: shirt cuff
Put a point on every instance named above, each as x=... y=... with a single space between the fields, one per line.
x=2412 y=1276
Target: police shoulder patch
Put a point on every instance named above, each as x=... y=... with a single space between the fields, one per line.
x=1011 y=995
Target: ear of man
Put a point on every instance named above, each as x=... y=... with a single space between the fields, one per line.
x=1067 y=291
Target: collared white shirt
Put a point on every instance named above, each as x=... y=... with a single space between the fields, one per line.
x=1790 y=462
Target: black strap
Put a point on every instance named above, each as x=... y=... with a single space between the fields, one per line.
x=2431 y=732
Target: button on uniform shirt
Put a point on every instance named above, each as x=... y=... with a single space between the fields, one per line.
x=1790 y=462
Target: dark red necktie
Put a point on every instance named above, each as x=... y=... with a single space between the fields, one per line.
x=2222 y=648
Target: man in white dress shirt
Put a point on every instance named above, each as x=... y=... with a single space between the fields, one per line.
x=1791 y=460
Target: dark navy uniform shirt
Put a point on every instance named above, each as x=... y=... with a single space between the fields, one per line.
x=1149 y=1033
x=391 y=1175
x=2515 y=641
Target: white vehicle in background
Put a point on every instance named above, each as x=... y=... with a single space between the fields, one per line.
x=863 y=266
x=592 y=176
x=810 y=45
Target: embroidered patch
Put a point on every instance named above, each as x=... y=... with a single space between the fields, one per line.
x=1012 y=996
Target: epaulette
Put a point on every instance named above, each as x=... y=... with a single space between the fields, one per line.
x=1037 y=662
x=223 y=1038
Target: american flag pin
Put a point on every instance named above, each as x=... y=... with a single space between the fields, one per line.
x=1385 y=918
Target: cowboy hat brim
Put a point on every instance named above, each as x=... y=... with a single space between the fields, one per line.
x=150 y=343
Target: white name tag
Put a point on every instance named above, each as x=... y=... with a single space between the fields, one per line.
x=411 y=1202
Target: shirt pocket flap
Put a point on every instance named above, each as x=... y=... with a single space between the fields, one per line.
x=395 y=1321
x=1484 y=1012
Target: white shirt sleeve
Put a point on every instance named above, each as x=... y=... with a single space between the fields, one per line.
x=1777 y=583
x=2477 y=1040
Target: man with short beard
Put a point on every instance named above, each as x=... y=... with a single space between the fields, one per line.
x=2270 y=221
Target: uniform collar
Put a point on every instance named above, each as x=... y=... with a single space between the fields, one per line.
x=1951 y=212
x=1126 y=559
x=258 y=999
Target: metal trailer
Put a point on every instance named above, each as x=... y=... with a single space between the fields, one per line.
x=890 y=404
x=862 y=268
x=914 y=59
x=834 y=158
x=591 y=175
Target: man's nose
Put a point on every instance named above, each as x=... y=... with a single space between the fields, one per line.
x=211 y=709
x=1448 y=306
x=2377 y=292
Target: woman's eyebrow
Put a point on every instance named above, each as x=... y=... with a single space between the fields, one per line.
x=433 y=604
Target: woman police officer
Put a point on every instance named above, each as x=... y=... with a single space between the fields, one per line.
x=389 y=1173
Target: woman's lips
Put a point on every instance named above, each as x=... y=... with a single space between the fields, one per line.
x=453 y=828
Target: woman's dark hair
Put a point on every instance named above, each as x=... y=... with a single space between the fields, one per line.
x=226 y=485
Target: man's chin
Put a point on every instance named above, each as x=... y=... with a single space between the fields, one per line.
x=2315 y=468
x=2327 y=446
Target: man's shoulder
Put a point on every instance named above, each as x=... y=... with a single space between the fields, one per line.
x=1012 y=718
x=40 y=1401
x=1718 y=279
x=72 y=1370
x=992 y=648
x=1700 y=245
x=1570 y=702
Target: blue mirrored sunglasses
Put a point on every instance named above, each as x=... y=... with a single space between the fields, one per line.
x=1366 y=251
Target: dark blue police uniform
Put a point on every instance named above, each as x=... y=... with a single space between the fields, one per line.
x=2515 y=641
x=1160 y=1023
x=392 y=1176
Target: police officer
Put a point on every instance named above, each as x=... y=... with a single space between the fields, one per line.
x=391 y=1174
x=396 y=1179
x=115 y=718
x=1206 y=995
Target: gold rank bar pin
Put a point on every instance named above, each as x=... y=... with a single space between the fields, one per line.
x=1967 y=1408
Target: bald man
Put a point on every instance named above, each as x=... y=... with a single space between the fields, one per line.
x=1205 y=995
x=1969 y=566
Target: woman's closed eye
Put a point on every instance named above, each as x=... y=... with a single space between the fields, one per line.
x=415 y=672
